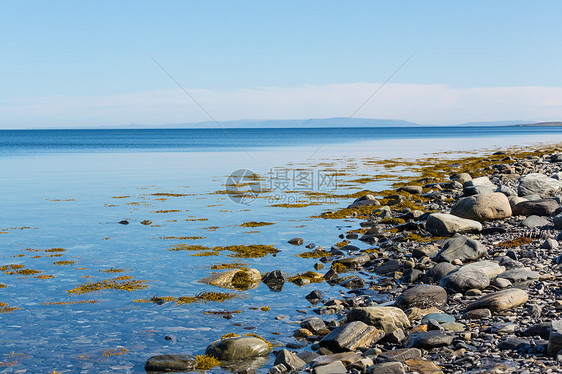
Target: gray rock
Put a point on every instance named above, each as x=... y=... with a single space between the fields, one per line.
x=503 y=328
x=540 y=329
x=365 y=200
x=238 y=348
x=513 y=201
x=439 y=317
x=534 y=221
x=290 y=360
x=501 y=283
x=464 y=279
x=491 y=268
x=382 y=317
x=389 y=267
x=540 y=184
x=550 y=244
x=438 y=271
x=351 y=336
x=400 y=355
x=461 y=248
x=483 y=207
x=315 y=296
x=308 y=356
x=354 y=262
x=513 y=343
x=558 y=221
x=555 y=338
x=482 y=313
x=429 y=250
x=443 y=224
x=416 y=190
x=296 y=241
x=430 y=339
x=543 y=207
x=313 y=324
x=170 y=363
x=501 y=300
x=519 y=275
x=387 y=368
x=480 y=181
x=333 y=368
x=274 y=280
x=461 y=177
x=507 y=191
x=423 y=296
x=478 y=190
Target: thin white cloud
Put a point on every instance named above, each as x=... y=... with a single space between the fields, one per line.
x=421 y=103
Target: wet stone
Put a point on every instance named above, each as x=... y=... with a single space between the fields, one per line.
x=430 y=339
x=170 y=363
x=315 y=296
x=314 y=324
x=296 y=241
x=401 y=355
x=387 y=368
x=290 y=360
x=351 y=336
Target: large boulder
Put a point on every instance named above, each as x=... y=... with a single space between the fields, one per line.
x=461 y=248
x=423 y=297
x=438 y=271
x=487 y=207
x=480 y=186
x=240 y=279
x=365 y=200
x=501 y=300
x=542 y=207
x=290 y=360
x=444 y=224
x=540 y=184
x=519 y=275
x=238 y=348
x=170 y=363
x=465 y=278
x=386 y=318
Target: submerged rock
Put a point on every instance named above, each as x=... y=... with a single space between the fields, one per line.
x=170 y=363
x=240 y=279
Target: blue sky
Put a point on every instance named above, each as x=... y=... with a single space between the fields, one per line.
x=87 y=63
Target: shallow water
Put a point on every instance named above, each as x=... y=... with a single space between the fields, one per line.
x=61 y=193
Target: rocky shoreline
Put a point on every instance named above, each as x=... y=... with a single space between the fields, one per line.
x=462 y=277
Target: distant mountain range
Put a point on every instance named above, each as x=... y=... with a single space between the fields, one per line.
x=322 y=122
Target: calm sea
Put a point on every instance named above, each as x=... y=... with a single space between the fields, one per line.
x=70 y=188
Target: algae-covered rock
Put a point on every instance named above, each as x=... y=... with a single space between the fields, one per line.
x=240 y=279
x=238 y=348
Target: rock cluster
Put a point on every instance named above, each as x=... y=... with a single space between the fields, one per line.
x=465 y=287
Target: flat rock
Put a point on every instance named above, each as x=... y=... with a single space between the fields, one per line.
x=491 y=268
x=386 y=318
x=423 y=297
x=170 y=363
x=461 y=248
x=238 y=348
x=501 y=300
x=274 y=280
x=534 y=221
x=347 y=358
x=416 y=190
x=389 y=267
x=296 y=241
x=422 y=366
x=482 y=313
x=354 y=262
x=518 y=275
x=439 y=317
x=430 y=339
x=483 y=207
x=333 y=368
x=537 y=183
x=464 y=279
x=387 y=368
x=400 y=355
x=313 y=324
x=542 y=207
x=444 y=224
x=351 y=336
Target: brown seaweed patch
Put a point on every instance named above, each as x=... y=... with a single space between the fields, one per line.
x=70 y=302
x=120 y=197
x=317 y=253
x=312 y=276
x=125 y=283
x=230 y=265
x=517 y=242
x=5 y=308
x=166 y=211
x=256 y=224
x=53 y=250
x=362 y=212
x=114 y=270
x=114 y=352
x=44 y=276
x=167 y=194
x=66 y=262
x=206 y=362
x=195 y=219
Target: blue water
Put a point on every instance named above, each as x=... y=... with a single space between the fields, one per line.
x=65 y=188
